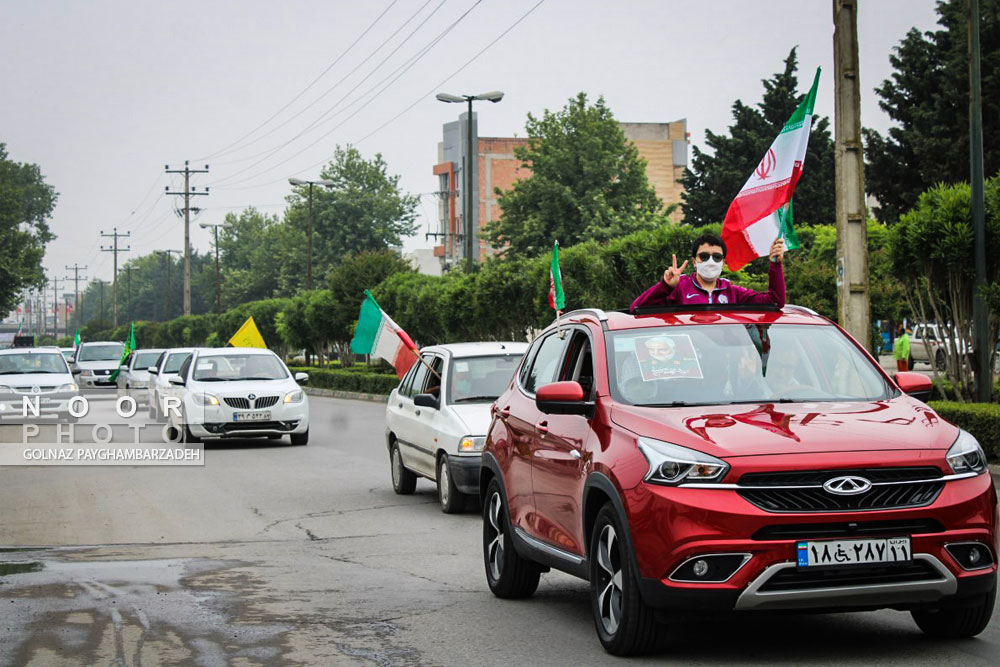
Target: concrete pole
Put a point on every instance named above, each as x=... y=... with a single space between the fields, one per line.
x=853 y=308
x=980 y=318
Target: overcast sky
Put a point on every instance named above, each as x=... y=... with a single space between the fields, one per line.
x=102 y=94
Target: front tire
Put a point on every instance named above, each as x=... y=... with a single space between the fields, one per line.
x=404 y=482
x=957 y=622
x=452 y=500
x=300 y=439
x=625 y=625
x=939 y=361
x=508 y=574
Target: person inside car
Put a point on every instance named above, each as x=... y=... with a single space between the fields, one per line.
x=705 y=286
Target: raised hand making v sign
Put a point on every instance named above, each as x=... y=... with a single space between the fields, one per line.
x=705 y=286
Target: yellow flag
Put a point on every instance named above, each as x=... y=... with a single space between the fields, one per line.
x=247 y=336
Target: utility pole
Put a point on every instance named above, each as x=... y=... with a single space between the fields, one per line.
x=187 y=193
x=115 y=235
x=77 y=301
x=853 y=311
x=43 y=320
x=980 y=320
x=101 y=316
x=166 y=254
x=128 y=308
x=55 y=305
x=218 y=276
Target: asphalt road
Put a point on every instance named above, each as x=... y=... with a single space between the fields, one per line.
x=279 y=555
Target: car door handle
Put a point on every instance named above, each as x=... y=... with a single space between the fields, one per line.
x=417 y=412
x=400 y=404
x=543 y=427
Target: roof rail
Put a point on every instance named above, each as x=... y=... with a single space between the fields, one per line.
x=800 y=309
x=597 y=312
x=704 y=308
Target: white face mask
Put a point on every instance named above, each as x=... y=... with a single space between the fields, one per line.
x=709 y=269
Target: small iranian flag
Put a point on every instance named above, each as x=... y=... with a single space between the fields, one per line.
x=76 y=339
x=557 y=298
x=762 y=210
x=379 y=336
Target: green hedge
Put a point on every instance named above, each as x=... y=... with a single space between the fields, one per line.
x=345 y=380
x=980 y=419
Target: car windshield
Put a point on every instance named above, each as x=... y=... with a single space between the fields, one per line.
x=175 y=361
x=237 y=367
x=480 y=379
x=20 y=364
x=144 y=360
x=106 y=352
x=737 y=363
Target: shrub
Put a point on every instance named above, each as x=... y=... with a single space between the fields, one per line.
x=980 y=419
x=349 y=380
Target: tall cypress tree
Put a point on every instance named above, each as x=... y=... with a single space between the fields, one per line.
x=715 y=178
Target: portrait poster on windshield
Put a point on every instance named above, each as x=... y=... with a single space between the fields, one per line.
x=667 y=357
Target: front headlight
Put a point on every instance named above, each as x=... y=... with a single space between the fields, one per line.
x=671 y=464
x=87 y=374
x=469 y=444
x=966 y=455
x=294 y=396
x=205 y=399
x=69 y=387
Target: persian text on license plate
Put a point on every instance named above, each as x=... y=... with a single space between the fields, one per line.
x=850 y=552
x=252 y=416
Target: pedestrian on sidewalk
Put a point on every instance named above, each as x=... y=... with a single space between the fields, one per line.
x=901 y=348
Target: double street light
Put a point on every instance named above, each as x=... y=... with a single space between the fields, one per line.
x=309 y=251
x=218 y=280
x=492 y=96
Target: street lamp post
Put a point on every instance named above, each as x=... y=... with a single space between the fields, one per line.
x=492 y=96
x=218 y=279
x=309 y=234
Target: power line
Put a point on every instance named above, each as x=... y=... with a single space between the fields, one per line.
x=225 y=151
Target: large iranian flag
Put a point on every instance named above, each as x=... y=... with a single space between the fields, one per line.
x=377 y=335
x=762 y=210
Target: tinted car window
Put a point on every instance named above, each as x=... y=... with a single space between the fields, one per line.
x=109 y=352
x=545 y=365
x=144 y=360
x=174 y=361
x=20 y=364
x=417 y=381
x=480 y=379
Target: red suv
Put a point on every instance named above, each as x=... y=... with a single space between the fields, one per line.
x=732 y=458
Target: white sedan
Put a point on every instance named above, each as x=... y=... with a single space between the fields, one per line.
x=237 y=392
x=166 y=367
x=437 y=418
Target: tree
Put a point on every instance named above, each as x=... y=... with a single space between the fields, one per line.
x=260 y=257
x=364 y=210
x=928 y=98
x=26 y=204
x=715 y=178
x=587 y=183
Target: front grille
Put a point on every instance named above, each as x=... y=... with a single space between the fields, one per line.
x=848 y=529
x=802 y=491
x=28 y=390
x=265 y=401
x=855 y=575
x=238 y=403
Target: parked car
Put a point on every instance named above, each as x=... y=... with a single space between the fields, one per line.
x=133 y=378
x=166 y=367
x=927 y=346
x=94 y=363
x=652 y=456
x=238 y=392
x=436 y=419
x=42 y=375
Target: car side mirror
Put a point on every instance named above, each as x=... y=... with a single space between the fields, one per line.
x=563 y=398
x=177 y=380
x=916 y=385
x=302 y=377
x=152 y=370
x=427 y=401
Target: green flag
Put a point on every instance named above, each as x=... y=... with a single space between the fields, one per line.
x=76 y=339
x=557 y=298
x=129 y=349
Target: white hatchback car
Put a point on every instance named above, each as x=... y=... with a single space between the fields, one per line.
x=166 y=367
x=437 y=418
x=133 y=377
x=42 y=375
x=237 y=392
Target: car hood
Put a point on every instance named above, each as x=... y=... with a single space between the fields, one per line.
x=36 y=380
x=475 y=416
x=97 y=365
x=792 y=428
x=243 y=388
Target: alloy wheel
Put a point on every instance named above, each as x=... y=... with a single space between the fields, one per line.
x=495 y=547
x=397 y=467
x=609 y=580
x=445 y=481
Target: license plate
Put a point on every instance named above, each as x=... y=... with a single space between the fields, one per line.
x=252 y=416
x=851 y=552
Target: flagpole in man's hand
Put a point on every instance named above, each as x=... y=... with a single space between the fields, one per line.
x=777 y=252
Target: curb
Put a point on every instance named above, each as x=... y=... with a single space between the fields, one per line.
x=351 y=395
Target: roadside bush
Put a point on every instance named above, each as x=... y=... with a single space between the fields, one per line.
x=348 y=380
x=980 y=419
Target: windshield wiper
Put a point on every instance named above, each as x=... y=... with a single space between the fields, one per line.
x=671 y=404
x=208 y=379
x=31 y=372
x=475 y=398
x=257 y=378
